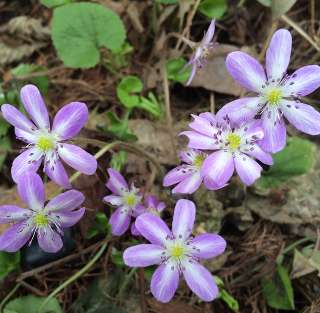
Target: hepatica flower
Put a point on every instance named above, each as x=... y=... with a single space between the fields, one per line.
x=235 y=148
x=176 y=252
x=45 y=221
x=187 y=176
x=46 y=144
x=278 y=94
x=202 y=51
x=128 y=201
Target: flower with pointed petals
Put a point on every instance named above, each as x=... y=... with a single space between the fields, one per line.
x=202 y=51
x=46 y=221
x=278 y=94
x=187 y=176
x=151 y=205
x=176 y=252
x=128 y=201
x=235 y=148
x=45 y=143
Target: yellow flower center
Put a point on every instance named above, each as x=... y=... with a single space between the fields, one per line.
x=177 y=251
x=234 y=141
x=45 y=144
x=41 y=220
x=274 y=96
x=198 y=160
x=130 y=199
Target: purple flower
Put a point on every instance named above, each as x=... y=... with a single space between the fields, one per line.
x=151 y=205
x=176 y=252
x=235 y=148
x=128 y=201
x=278 y=94
x=45 y=143
x=46 y=221
x=188 y=176
x=202 y=51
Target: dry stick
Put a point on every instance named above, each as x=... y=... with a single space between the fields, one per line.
x=212 y=103
x=299 y=30
x=168 y=108
x=142 y=285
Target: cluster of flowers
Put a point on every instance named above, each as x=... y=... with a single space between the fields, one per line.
x=248 y=129
x=242 y=134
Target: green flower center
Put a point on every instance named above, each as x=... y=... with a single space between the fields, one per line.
x=177 y=251
x=41 y=220
x=130 y=199
x=198 y=160
x=45 y=143
x=274 y=96
x=234 y=141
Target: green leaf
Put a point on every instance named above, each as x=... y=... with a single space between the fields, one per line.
x=55 y=3
x=79 y=30
x=126 y=90
x=266 y=3
x=116 y=257
x=5 y=147
x=295 y=159
x=213 y=8
x=9 y=262
x=119 y=128
x=167 y=1
x=229 y=300
x=280 y=7
x=177 y=70
x=101 y=226
x=32 y=304
x=150 y=104
x=118 y=160
x=42 y=82
x=278 y=292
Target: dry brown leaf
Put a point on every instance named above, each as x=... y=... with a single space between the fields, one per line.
x=214 y=75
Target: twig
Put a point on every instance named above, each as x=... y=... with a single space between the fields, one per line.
x=33 y=289
x=58 y=262
x=212 y=103
x=126 y=282
x=168 y=108
x=299 y=30
x=143 y=303
x=74 y=277
x=9 y=295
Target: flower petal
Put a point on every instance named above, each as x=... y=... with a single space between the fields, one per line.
x=12 y=213
x=35 y=106
x=210 y=32
x=78 y=158
x=202 y=126
x=116 y=183
x=143 y=255
x=16 y=118
x=16 y=236
x=58 y=174
x=28 y=161
x=153 y=228
x=189 y=184
x=134 y=230
x=25 y=136
x=183 y=219
x=199 y=141
x=256 y=152
x=49 y=240
x=303 y=81
x=66 y=201
x=193 y=72
x=200 y=281
x=278 y=54
x=68 y=218
x=114 y=200
x=208 y=246
x=164 y=283
x=302 y=116
x=218 y=167
x=119 y=221
x=241 y=110
x=31 y=190
x=70 y=119
x=274 y=130
x=177 y=175
x=246 y=70
x=248 y=169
